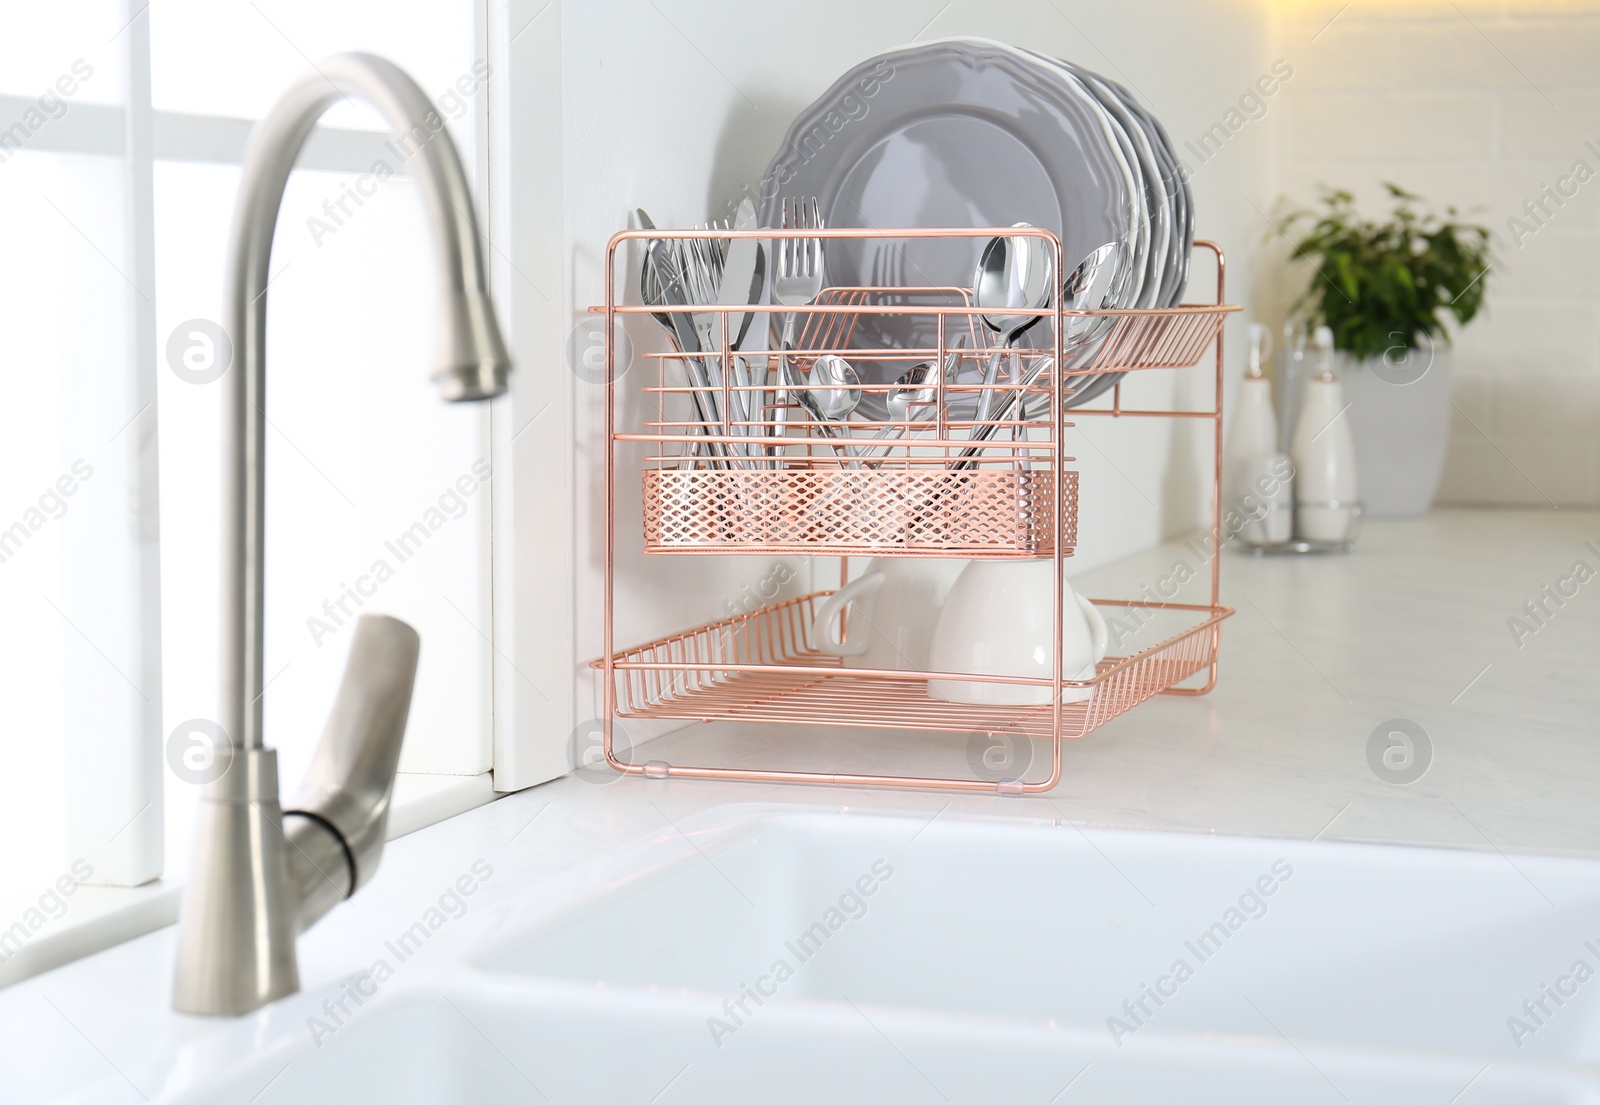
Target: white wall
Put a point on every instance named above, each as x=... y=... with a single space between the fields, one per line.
x=1480 y=105
x=677 y=106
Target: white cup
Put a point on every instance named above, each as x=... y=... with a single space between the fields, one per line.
x=997 y=621
x=893 y=608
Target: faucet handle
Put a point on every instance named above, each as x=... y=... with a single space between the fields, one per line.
x=337 y=822
x=262 y=875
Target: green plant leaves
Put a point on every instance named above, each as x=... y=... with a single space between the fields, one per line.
x=1386 y=286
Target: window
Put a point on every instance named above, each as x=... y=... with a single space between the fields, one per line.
x=121 y=129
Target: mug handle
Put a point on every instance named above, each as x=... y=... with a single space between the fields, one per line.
x=825 y=627
x=1099 y=635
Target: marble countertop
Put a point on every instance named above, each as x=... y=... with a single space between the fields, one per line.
x=1429 y=622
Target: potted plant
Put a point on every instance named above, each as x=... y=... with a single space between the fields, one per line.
x=1388 y=290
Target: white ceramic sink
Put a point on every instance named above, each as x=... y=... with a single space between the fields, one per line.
x=898 y=959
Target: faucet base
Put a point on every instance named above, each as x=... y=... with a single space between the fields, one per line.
x=236 y=932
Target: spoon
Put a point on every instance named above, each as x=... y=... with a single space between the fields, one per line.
x=914 y=395
x=808 y=403
x=912 y=399
x=1095 y=284
x=835 y=388
x=1013 y=272
x=1098 y=282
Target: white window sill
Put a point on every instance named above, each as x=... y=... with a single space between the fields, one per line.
x=99 y=916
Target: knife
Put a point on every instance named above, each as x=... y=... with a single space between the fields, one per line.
x=740 y=286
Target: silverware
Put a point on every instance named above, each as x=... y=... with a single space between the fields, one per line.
x=743 y=273
x=742 y=270
x=797 y=281
x=723 y=272
x=916 y=392
x=661 y=284
x=835 y=388
x=797 y=277
x=1013 y=272
x=1098 y=282
x=803 y=396
x=702 y=262
x=707 y=272
x=914 y=396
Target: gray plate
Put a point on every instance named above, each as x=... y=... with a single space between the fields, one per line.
x=1159 y=220
x=1175 y=200
x=1178 y=194
x=954 y=133
x=1155 y=210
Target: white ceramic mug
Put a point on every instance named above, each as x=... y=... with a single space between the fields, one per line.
x=997 y=621
x=893 y=608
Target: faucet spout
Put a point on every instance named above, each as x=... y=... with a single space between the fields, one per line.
x=471 y=360
x=260 y=875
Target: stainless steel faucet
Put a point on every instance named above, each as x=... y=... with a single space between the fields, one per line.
x=261 y=875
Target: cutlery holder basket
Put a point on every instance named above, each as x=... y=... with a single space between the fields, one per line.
x=934 y=511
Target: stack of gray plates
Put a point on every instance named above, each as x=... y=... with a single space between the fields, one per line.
x=969 y=132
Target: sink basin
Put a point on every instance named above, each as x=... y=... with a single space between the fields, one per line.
x=771 y=955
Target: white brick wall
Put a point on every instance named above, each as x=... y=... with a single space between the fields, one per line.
x=1478 y=104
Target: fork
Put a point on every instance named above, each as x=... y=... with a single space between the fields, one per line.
x=662 y=282
x=702 y=260
x=797 y=282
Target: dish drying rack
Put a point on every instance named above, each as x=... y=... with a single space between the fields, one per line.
x=777 y=483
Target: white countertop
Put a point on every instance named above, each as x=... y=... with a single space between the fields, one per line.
x=1322 y=650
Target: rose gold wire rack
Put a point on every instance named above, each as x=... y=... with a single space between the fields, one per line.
x=735 y=463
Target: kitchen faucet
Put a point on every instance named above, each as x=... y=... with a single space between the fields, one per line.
x=261 y=874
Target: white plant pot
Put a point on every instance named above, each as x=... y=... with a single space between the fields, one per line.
x=1400 y=421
